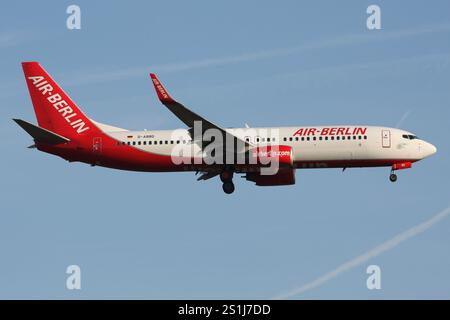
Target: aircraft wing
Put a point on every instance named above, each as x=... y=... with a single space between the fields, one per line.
x=187 y=116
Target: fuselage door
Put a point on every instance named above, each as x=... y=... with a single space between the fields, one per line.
x=386 y=138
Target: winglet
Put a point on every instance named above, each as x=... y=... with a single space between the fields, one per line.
x=163 y=95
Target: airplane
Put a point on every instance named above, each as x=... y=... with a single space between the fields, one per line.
x=64 y=130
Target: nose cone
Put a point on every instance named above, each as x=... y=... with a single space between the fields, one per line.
x=428 y=149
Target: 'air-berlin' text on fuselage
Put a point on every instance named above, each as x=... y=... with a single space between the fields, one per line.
x=330 y=131
x=59 y=104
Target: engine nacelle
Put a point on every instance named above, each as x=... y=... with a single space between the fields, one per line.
x=268 y=155
x=284 y=177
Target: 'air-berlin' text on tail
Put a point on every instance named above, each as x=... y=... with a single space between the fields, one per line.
x=54 y=109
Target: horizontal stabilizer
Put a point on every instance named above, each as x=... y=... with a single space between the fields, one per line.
x=40 y=134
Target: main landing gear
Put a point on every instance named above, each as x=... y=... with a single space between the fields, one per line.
x=227 y=178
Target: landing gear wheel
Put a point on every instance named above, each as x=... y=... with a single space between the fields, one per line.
x=393 y=177
x=228 y=187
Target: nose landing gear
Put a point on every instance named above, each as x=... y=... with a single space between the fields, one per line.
x=393 y=177
x=398 y=166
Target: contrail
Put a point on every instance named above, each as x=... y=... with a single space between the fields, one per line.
x=403 y=118
x=385 y=246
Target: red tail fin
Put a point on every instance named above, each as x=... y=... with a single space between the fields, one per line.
x=54 y=109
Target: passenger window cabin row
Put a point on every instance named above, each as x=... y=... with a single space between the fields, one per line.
x=247 y=139
x=151 y=142
x=326 y=138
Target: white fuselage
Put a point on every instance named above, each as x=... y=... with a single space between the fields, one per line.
x=312 y=146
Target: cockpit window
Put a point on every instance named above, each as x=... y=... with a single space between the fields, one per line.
x=409 y=136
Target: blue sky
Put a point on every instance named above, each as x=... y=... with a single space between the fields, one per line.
x=145 y=235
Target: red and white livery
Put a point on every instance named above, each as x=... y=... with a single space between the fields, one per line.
x=64 y=130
